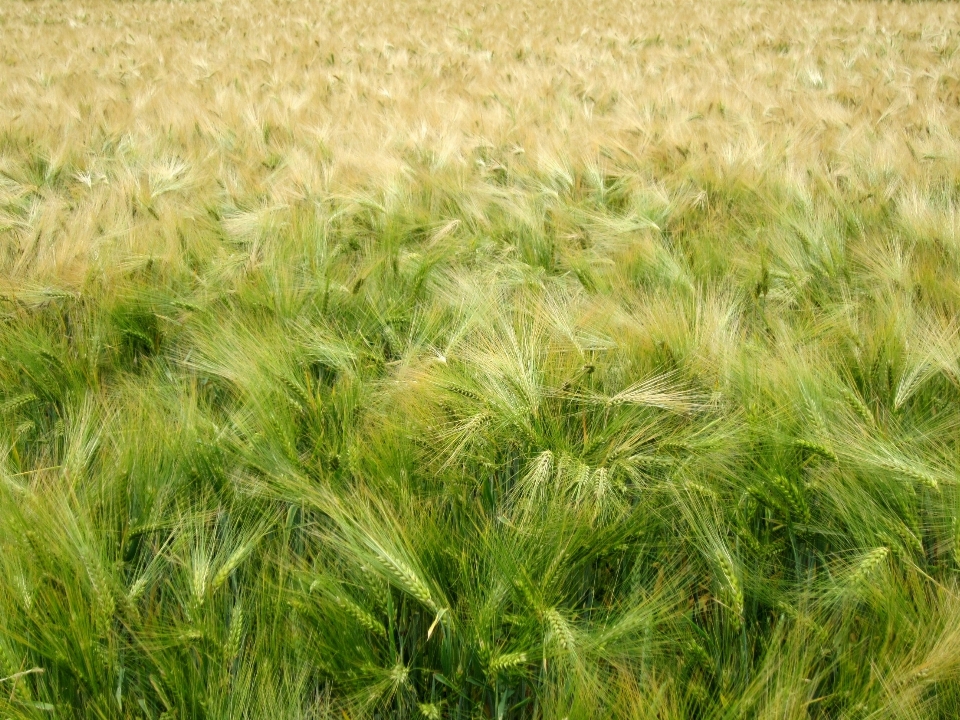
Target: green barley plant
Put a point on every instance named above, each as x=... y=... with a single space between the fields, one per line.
x=512 y=360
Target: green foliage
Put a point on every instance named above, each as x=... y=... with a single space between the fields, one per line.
x=512 y=446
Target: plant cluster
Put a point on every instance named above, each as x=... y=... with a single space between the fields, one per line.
x=468 y=427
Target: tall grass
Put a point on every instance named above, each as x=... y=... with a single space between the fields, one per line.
x=641 y=401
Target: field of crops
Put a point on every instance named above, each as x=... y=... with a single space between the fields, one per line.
x=444 y=359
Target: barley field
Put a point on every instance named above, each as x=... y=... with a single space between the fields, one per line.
x=519 y=360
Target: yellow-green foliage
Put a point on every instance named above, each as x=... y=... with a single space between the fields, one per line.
x=459 y=360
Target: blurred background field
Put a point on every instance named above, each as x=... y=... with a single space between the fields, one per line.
x=108 y=105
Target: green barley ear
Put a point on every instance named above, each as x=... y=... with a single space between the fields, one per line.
x=559 y=629
x=731 y=583
x=235 y=632
x=24 y=593
x=465 y=392
x=105 y=603
x=22 y=429
x=406 y=578
x=399 y=675
x=505 y=662
x=795 y=498
x=534 y=486
x=704 y=522
x=868 y=566
x=601 y=485
x=663 y=392
x=955 y=525
x=15 y=403
x=367 y=621
x=858 y=405
x=199 y=575
x=817 y=449
x=431 y=711
x=857 y=578
x=136 y=588
x=696 y=655
x=913 y=472
x=232 y=563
